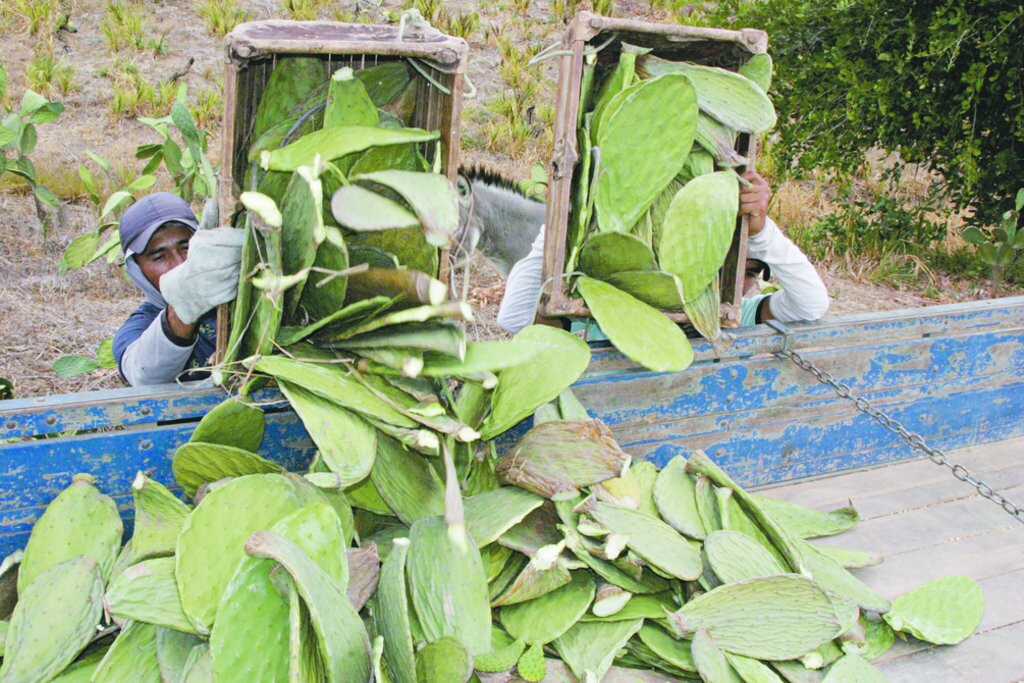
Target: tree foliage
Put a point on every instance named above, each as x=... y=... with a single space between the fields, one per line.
x=940 y=82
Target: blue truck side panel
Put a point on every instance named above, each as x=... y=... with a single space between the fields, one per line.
x=953 y=374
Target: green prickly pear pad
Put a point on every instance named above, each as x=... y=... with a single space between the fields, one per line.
x=943 y=611
x=80 y=521
x=211 y=543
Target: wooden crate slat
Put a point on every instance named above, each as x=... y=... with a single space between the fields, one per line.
x=251 y=50
x=715 y=47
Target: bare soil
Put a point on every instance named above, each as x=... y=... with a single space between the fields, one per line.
x=45 y=314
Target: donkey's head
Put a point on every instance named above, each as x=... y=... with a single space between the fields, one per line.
x=494 y=217
x=467 y=236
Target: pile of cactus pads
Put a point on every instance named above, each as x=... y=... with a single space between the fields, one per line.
x=433 y=538
x=653 y=216
x=557 y=561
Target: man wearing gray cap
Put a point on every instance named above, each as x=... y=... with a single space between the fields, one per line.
x=185 y=274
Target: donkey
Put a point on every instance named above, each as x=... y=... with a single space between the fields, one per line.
x=496 y=217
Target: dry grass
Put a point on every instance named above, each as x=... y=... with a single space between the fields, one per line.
x=44 y=315
x=797 y=204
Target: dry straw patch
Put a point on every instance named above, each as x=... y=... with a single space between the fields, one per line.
x=44 y=315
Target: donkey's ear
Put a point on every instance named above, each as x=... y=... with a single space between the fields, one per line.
x=463 y=187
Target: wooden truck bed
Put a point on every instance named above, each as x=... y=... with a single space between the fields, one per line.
x=953 y=374
x=927 y=525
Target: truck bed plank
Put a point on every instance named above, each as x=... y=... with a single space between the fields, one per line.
x=934 y=525
x=992 y=657
x=982 y=556
x=939 y=531
x=885 y=490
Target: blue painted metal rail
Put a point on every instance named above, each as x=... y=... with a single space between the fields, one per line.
x=954 y=374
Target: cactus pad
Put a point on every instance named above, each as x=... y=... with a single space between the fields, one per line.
x=147 y=592
x=54 y=620
x=251 y=640
x=233 y=422
x=132 y=657
x=343 y=642
x=443 y=661
x=853 y=668
x=212 y=540
x=590 y=647
x=492 y=513
x=710 y=660
x=653 y=540
x=531 y=665
x=675 y=496
x=668 y=649
x=801 y=615
x=159 y=516
x=448 y=586
x=943 y=611
x=504 y=654
x=79 y=521
x=734 y=556
x=542 y=620
x=198 y=463
x=391 y=614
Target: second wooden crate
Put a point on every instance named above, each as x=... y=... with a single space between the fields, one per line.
x=589 y=32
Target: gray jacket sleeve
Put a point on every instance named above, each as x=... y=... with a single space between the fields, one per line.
x=153 y=358
x=522 y=289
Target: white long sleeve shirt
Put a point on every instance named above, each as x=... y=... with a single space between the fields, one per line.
x=803 y=296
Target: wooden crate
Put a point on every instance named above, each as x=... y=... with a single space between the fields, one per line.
x=252 y=49
x=709 y=46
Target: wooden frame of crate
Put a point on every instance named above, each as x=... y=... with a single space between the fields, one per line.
x=587 y=31
x=253 y=47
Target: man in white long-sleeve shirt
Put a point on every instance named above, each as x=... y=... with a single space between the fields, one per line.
x=803 y=296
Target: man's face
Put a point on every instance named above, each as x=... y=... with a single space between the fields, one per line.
x=751 y=276
x=167 y=248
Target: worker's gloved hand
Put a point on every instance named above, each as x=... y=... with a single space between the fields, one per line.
x=208 y=277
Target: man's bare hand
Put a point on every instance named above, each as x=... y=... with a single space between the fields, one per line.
x=754 y=201
x=181 y=329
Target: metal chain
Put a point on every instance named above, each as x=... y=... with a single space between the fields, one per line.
x=915 y=440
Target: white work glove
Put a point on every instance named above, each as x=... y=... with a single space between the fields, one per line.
x=208 y=277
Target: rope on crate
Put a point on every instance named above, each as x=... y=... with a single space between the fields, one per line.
x=549 y=52
x=470 y=88
x=430 y=79
x=412 y=18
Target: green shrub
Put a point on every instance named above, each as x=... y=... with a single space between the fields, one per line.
x=18 y=140
x=941 y=83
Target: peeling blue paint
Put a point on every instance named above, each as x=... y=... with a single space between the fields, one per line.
x=954 y=375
